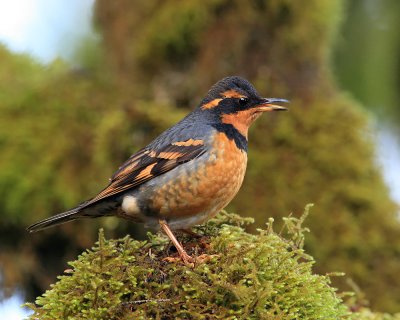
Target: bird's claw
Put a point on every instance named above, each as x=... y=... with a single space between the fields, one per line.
x=191 y=261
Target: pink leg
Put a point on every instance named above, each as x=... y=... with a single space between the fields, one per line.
x=188 y=260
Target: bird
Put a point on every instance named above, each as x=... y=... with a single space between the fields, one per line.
x=189 y=172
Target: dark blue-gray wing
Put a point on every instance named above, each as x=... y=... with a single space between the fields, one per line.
x=174 y=147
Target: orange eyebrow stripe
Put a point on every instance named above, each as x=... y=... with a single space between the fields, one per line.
x=232 y=94
x=211 y=104
x=188 y=143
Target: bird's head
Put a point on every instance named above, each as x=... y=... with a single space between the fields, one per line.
x=234 y=100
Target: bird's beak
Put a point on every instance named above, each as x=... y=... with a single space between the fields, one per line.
x=267 y=104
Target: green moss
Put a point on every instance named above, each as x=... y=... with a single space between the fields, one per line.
x=262 y=276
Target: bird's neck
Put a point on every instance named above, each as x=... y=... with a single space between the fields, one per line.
x=233 y=134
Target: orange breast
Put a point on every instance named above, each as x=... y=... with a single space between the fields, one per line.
x=204 y=187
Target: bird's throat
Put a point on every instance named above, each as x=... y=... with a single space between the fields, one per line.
x=241 y=120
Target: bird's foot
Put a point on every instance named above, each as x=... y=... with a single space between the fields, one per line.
x=190 y=261
x=183 y=256
x=203 y=258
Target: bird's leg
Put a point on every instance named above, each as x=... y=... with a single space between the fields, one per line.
x=187 y=260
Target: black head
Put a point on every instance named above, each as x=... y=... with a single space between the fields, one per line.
x=235 y=94
x=232 y=105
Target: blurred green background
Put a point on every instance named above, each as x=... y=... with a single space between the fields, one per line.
x=67 y=124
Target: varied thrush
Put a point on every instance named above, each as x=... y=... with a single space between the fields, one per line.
x=187 y=174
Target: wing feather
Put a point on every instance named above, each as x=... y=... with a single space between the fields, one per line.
x=148 y=163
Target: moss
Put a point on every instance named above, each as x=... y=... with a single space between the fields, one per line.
x=262 y=276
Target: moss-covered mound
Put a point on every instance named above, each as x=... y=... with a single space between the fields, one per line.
x=263 y=276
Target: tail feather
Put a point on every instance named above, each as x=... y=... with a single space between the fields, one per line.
x=60 y=218
x=84 y=210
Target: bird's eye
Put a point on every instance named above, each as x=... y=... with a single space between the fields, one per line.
x=243 y=101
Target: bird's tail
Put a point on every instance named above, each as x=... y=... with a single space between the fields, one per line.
x=60 y=218
x=87 y=209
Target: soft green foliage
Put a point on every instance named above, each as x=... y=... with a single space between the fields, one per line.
x=261 y=276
